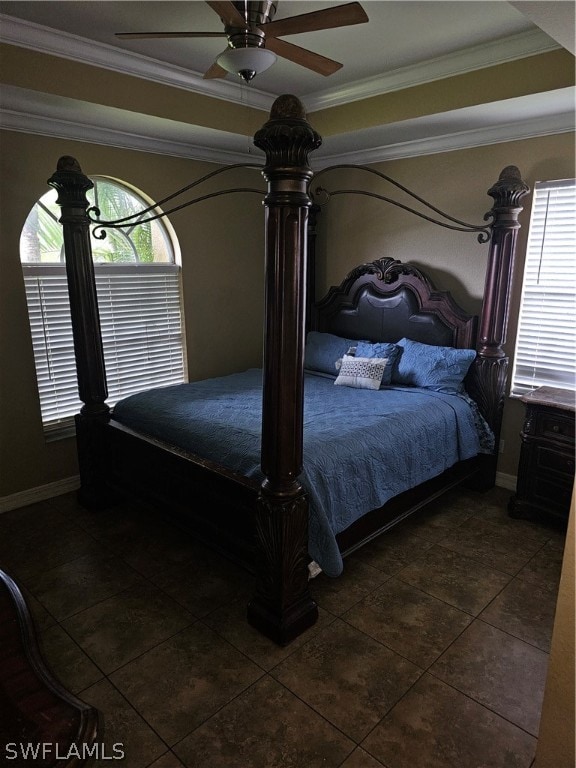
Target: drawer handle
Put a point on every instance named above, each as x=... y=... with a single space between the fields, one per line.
x=555 y=428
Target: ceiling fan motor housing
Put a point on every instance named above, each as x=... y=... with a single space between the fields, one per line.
x=257 y=13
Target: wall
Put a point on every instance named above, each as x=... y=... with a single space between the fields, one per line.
x=26 y=68
x=222 y=249
x=556 y=748
x=534 y=74
x=355 y=229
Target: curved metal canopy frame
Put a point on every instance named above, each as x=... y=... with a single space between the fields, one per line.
x=483 y=230
x=155 y=210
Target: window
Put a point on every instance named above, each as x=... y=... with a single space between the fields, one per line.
x=139 y=298
x=546 y=341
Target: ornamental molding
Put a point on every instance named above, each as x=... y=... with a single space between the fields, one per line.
x=54 y=42
x=24 y=114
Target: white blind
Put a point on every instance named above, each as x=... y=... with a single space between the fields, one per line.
x=141 y=324
x=546 y=342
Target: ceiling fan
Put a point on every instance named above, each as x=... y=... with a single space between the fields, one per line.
x=253 y=36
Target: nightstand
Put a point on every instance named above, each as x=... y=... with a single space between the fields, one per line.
x=546 y=468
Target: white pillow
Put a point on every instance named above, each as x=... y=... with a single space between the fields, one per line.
x=361 y=372
x=351 y=352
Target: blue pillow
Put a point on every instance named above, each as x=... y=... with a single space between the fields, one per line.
x=323 y=350
x=439 y=368
x=380 y=349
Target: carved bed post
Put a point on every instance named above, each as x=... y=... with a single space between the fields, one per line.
x=282 y=607
x=311 y=264
x=492 y=363
x=72 y=185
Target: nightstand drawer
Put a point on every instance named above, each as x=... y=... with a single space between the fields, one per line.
x=552 y=494
x=556 y=461
x=556 y=426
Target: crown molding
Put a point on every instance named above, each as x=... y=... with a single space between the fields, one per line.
x=20 y=113
x=522 y=117
x=448 y=142
x=36 y=37
x=461 y=62
x=30 y=112
x=60 y=129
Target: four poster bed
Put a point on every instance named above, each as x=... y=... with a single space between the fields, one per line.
x=390 y=395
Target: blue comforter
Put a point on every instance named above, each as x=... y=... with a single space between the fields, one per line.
x=361 y=447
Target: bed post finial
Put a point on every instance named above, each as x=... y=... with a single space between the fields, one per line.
x=509 y=190
x=282 y=607
x=72 y=186
x=287 y=137
x=492 y=363
x=286 y=107
x=507 y=193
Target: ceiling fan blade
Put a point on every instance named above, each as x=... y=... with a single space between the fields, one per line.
x=229 y=14
x=328 y=18
x=214 y=72
x=144 y=35
x=304 y=57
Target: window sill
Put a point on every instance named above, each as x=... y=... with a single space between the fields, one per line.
x=61 y=432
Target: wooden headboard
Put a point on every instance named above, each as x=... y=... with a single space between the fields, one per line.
x=386 y=300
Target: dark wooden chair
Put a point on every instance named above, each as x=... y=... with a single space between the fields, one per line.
x=41 y=723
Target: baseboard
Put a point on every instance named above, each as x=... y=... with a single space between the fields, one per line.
x=506 y=481
x=41 y=493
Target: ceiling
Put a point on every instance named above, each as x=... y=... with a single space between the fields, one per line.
x=391 y=39
x=403 y=43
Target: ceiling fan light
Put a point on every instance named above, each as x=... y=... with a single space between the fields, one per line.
x=246 y=62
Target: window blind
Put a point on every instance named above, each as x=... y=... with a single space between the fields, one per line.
x=140 y=316
x=546 y=342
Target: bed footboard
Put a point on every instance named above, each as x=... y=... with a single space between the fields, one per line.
x=215 y=504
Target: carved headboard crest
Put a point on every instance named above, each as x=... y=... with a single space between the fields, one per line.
x=387 y=270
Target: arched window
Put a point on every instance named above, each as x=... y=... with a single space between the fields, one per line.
x=139 y=297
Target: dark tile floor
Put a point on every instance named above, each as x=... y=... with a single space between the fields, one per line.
x=430 y=652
